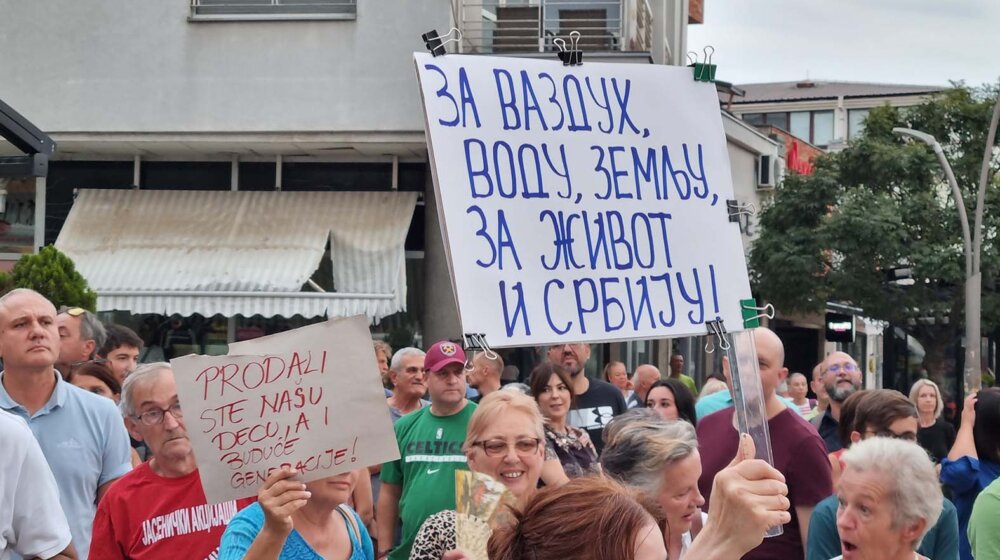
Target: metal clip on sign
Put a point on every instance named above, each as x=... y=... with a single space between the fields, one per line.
x=703 y=71
x=433 y=41
x=571 y=55
x=752 y=314
x=476 y=342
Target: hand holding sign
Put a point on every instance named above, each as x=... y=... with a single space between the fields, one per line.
x=280 y=497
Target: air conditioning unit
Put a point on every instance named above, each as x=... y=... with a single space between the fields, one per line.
x=770 y=172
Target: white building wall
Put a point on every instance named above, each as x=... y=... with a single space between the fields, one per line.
x=141 y=66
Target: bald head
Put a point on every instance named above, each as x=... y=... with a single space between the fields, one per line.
x=643 y=378
x=841 y=376
x=18 y=294
x=765 y=337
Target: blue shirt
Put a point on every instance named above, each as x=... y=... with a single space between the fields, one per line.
x=724 y=399
x=940 y=542
x=84 y=440
x=966 y=477
x=247 y=524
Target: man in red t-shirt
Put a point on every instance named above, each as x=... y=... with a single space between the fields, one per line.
x=799 y=452
x=158 y=510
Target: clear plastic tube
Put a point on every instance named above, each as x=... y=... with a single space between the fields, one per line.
x=748 y=398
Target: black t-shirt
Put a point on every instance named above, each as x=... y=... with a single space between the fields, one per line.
x=595 y=408
x=937 y=439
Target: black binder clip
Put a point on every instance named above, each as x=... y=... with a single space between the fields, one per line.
x=737 y=210
x=434 y=43
x=716 y=330
x=477 y=342
x=571 y=55
x=703 y=71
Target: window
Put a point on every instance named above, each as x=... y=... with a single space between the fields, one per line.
x=822 y=128
x=800 y=124
x=779 y=120
x=754 y=118
x=208 y=10
x=856 y=122
x=17 y=221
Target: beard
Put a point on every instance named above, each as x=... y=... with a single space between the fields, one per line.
x=840 y=394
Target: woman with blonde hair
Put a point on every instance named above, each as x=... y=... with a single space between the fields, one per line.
x=935 y=434
x=504 y=440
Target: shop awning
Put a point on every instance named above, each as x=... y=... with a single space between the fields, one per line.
x=240 y=253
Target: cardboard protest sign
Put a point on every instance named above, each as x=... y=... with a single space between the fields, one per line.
x=583 y=203
x=308 y=398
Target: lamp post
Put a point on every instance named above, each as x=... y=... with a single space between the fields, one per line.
x=973 y=241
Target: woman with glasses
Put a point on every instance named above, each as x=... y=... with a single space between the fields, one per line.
x=505 y=441
x=553 y=391
x=864 y=415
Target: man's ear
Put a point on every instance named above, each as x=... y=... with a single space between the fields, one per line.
x=393 y=377
x=782 y=374
x=132 y=426
x=91 y=346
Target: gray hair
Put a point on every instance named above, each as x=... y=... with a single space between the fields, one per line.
x=639 y=445
x=91 y=328
x=909 y=475
x=397 y=358
x=143 y=373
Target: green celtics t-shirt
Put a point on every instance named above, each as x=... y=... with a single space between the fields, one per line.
x=430 y=449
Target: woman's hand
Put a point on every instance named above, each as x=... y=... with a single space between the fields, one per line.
x=969 y=410
x=280 y=497
x=455 y=555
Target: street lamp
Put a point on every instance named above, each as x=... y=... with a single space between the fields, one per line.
x=973 y=241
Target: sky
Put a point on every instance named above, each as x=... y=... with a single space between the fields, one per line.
x=919 y=42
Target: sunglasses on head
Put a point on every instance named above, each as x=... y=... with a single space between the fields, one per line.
x=72 y=311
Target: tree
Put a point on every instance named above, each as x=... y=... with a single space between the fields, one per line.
x=52 y=274
x=883 y=204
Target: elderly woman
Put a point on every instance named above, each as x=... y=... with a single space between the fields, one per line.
x=672 y=400
x=974 y=461
x=660 y=459
x=889 y=497
x=616 y=374
x=296 y=521
x=589 y=518
x=935 y=435
x=505 y=441
x=865 y=415
x=553 y=391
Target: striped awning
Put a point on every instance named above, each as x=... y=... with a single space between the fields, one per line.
x=240 y=253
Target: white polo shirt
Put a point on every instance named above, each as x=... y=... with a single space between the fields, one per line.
x=85 y=443
x=32 y=522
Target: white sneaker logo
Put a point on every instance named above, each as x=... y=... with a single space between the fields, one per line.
x=432 y=471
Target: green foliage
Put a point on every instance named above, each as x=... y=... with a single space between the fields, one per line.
x=52 y=274
x=883 y=203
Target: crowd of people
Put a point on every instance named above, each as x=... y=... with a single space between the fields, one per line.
x=98 y=463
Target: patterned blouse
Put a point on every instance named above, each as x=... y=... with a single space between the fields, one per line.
x=574 y=450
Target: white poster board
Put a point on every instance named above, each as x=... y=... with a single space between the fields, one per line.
x=309 y=398
x=582 y=203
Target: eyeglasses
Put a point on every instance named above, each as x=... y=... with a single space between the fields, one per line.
x=499 y=447
x=101 y=361
x=155 y=416
x=848 y=368
x=72 y=311
x=906 y=436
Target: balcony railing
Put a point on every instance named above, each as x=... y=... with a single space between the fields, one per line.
x=273 y=9
x=512 y=26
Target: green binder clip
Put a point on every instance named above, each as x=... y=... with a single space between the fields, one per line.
x=752 y=313
x=703 y=71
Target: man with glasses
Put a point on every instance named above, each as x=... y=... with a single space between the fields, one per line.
x=81 y=335
x=422 y=482
x=841 y=378
x=81 y=434
x=136 y=517
x=596 y=402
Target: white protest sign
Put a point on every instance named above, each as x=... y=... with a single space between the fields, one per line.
x=308 y=398
x=583 y=203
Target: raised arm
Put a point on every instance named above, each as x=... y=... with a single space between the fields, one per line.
x=965 y=444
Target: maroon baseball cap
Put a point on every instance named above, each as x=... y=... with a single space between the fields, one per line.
x=443 y=353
